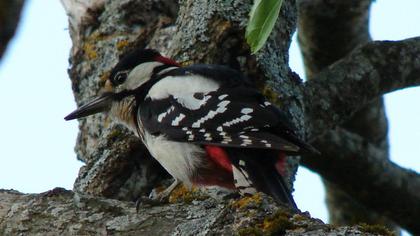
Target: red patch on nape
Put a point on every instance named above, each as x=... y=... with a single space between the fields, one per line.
x=219 y=156
x=166 y=60
x=281 y=164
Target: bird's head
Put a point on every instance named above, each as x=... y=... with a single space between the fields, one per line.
x=127 y=80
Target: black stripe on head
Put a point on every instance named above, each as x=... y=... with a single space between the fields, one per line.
x=133 y=59
x=158 y=69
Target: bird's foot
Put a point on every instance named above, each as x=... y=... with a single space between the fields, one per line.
x=146 y=201
x=157 y=198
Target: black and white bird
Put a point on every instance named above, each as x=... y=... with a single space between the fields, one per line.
x=205 y=124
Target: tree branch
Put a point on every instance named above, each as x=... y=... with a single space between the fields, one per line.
x=335 y=95
x=328 y=31
x=351 y=83
x=9 y=19
x=362 y=171
x=62 y=212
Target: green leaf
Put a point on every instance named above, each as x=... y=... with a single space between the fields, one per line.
x=262 y=19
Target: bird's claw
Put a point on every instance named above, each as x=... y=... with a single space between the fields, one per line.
x=147 y=201
x=156 y=198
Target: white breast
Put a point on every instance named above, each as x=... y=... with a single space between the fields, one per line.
x=179 y=159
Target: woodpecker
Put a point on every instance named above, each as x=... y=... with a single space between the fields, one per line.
x=205 y=124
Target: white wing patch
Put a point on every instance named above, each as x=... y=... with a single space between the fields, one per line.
x=237 y=120
x=140 y=74
x=247 y=110
x=182 y=87
x=221 y=107
x=164 y=114
x=178 y=119
x=208 y=136
x=192 y=103
x=223 y=96
x=245 y=140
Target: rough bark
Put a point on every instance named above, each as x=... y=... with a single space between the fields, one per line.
x=350 y=84
x=329 y=30
x=382 y=186
x=9 y=19
x=357 y=80
x=62 y=212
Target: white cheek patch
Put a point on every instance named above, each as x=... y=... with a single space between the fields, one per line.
x=140 y=74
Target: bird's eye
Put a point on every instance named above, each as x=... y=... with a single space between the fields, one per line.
x=120 y=77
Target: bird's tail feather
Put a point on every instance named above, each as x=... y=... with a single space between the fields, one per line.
x=254 y=170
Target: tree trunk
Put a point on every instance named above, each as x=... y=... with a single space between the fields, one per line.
x=328 y=32
x=9 y=19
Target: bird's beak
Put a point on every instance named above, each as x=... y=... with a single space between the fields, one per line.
x=99 y=104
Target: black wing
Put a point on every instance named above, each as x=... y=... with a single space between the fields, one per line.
x=234 y=115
